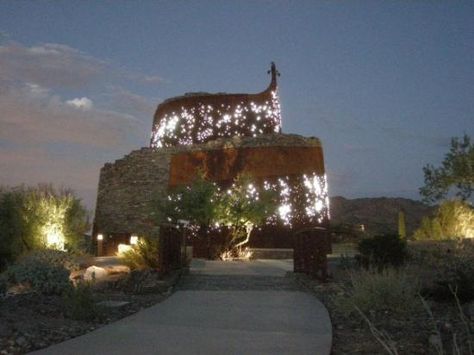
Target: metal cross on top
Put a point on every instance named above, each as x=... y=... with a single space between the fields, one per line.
x=273 y=71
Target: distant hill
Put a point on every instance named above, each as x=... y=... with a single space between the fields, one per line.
x=378 y=215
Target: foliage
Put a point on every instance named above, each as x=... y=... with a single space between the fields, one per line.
x=390 y=290
x=240 y=207
x=402 y=229
x=455 y=273
x=52 y=257
x=345 y=232
x=42 y=276
x=79 y=303
x=195 y=203
x=383 y=250
x=140 y=282
x=143 y=255
x=76 y=224
x=445 y=267
x=453 y=219
x=3 y=285
x=457 y=170
x=37 y=217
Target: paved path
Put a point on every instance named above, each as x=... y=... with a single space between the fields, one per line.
x=220 y=308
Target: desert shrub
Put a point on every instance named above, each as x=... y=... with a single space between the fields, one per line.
x=453 y=273
x=140 y=282
x=37 y=217
x=371 y=290
x=454 y=219
x=383 y=250
x=79 y=303
x=53 y=257
x=3 y=285
x=445 y=267
x=143 y=255
x=41 y=276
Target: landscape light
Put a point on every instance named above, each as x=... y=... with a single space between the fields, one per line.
x=100 y=237
x=54 y=236
x=123 y=248
x=133 y=240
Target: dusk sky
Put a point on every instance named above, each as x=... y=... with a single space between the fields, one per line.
x=383 y=84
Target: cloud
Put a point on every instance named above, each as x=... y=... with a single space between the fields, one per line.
x=404 y=135
x=60 y=121
x=33 y=115
x=126 y=101
x=60 y=66
x=50 y=65
x=81 y=103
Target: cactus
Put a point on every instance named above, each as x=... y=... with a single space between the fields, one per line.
x=402 y=229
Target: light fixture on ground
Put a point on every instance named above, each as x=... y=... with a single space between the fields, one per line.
x=134 y=240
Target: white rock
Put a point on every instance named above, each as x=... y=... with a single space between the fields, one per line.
x=95 y=273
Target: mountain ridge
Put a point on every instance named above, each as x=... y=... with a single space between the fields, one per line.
x=379 y=215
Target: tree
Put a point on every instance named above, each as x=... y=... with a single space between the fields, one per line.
x=204 y=204
x=196 y=203
x=457 y=170
x=242 y=207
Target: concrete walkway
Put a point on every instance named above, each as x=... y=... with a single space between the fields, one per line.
x=220 y=308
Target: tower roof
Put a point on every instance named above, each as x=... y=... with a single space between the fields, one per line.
x=201 y=117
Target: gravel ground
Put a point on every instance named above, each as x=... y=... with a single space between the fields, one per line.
x=31 y=321
x=414 y=334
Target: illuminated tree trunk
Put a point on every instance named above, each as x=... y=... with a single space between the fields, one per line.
x=248 y=231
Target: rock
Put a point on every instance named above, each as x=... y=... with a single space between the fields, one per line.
x=117 y=269
x=4 y=330
x=21 y=341
x=40 y=345
x=435 y=341
x=112 y=304
x=77 y=275
x=95 y=273
x=18 y=290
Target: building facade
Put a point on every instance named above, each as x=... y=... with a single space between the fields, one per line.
x=222 y=135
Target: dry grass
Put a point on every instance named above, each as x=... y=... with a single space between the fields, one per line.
x=391 y=290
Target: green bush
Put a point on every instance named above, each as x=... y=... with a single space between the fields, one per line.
x=454 y=219
x=143 y=255
x=390 y=290
x=79 y=303
x=53 y=257
x=32 y=218
x=3 y=285
x=382 y=251
x=41 y=276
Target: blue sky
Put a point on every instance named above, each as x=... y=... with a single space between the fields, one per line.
x=383 y=84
